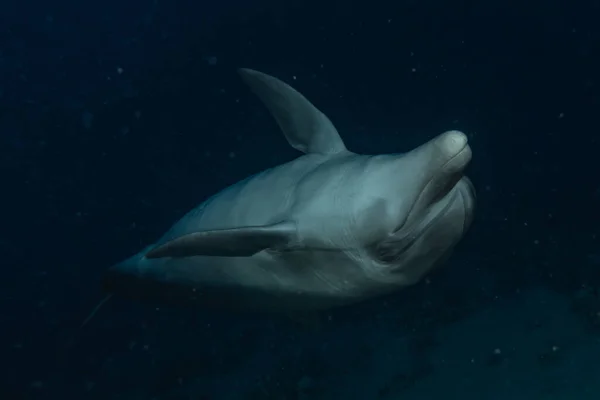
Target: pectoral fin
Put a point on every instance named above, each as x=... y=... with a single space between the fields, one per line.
x=235 y=242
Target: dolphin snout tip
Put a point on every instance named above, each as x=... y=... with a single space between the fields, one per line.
x=454 y=142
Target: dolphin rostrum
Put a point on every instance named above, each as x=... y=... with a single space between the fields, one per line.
x=328 y=229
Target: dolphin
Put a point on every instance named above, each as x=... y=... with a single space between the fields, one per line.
x=328 y=229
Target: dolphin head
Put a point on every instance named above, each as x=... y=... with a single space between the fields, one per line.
x=430 y=204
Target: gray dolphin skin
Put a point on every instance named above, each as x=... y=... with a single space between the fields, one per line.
x=328 y=229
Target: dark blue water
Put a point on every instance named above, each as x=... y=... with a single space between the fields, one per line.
x=118 y=117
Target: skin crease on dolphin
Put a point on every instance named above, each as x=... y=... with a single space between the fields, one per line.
x=328 y=229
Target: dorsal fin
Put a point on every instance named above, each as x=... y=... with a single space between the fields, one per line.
x=306 y=128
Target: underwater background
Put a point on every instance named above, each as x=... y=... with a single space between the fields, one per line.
x=117 y=117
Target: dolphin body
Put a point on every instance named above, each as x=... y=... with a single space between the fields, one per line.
x=328 y=229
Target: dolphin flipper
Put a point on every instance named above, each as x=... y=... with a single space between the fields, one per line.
x=306 y=128
x=235 y=242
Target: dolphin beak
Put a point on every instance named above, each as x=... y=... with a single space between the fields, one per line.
x=440 y=163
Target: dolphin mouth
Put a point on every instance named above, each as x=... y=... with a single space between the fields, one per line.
x=469 y=196
x=462 y=190
x=450 y=181
x=438 y=210
x=442 y=182
x=460 y=198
